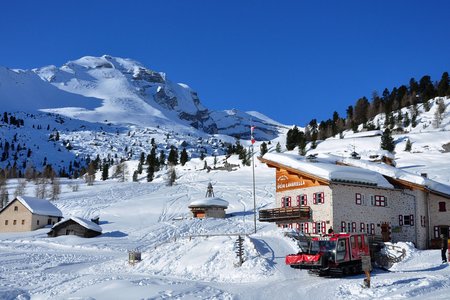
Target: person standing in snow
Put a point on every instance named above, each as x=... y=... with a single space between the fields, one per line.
x=444 y=247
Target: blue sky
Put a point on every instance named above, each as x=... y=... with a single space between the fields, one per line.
x=291 y=60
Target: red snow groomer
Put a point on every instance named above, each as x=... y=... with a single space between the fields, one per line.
x=333 y=254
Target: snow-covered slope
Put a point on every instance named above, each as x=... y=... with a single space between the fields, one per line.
x=430 y=152
x=185 y=258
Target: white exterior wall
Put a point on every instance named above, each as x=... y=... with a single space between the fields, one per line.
x=438 y=218
x=320 y=212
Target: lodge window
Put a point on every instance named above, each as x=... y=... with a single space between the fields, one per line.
x=6 y=222
x=422 y=221
x=319 y=198
x=16 y=208
x=319 y=227
x=406 y=220
x=442 y=206
x=305 y=227
x=37 y=222
x=358 y=199
x=302 y=200
x=324 y=228
x=380 y=201
x=23 y=222
x=286 y=202
x=14 y=222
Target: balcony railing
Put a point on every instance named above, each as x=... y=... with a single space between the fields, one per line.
x=286 y=214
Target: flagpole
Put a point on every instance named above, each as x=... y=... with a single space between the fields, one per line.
x=254 y=194
x=253 y=168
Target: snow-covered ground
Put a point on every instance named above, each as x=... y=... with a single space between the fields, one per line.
x=185 y=258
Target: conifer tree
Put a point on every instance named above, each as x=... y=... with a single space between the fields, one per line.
x=443 y=88
x=162 y=158
x=387 y=142
x=263 y=148
x=184 y=157
x=292 y=138
x=150 y=174
x=105 y=171
x=278 y=147
x=172 y=158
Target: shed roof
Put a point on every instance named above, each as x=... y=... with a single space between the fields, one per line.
x=209 y=202
x=83 y=222
x=39 y=206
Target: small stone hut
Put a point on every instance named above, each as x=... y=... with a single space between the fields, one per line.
x=75 y=226
x=208 y=208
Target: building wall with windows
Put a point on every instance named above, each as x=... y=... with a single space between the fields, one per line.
x=17 y=218
x=389 y=213
x=439 y=210
x=318 y=198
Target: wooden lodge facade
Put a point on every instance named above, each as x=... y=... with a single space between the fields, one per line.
x=314 y=197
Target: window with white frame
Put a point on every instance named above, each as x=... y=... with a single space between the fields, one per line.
x=361 y=227
x=358 y=199
x=380 y=200
x=319 y=198
x=343 y=226
x=437 y=232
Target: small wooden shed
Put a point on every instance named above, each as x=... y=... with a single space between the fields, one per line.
x=75 y=226
x=208 y=208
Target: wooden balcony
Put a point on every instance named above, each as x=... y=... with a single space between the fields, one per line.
x=294 y=214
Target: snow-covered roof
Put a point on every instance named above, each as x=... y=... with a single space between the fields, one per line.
x=328 y=170
x=39 y=206
x=209 y=202
x=83 y=222
x=396 y=173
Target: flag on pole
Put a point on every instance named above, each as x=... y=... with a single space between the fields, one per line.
x=252 y=128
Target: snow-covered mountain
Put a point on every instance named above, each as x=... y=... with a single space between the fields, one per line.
x=121 y=91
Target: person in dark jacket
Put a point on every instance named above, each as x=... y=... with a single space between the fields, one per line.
x=444 y=247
